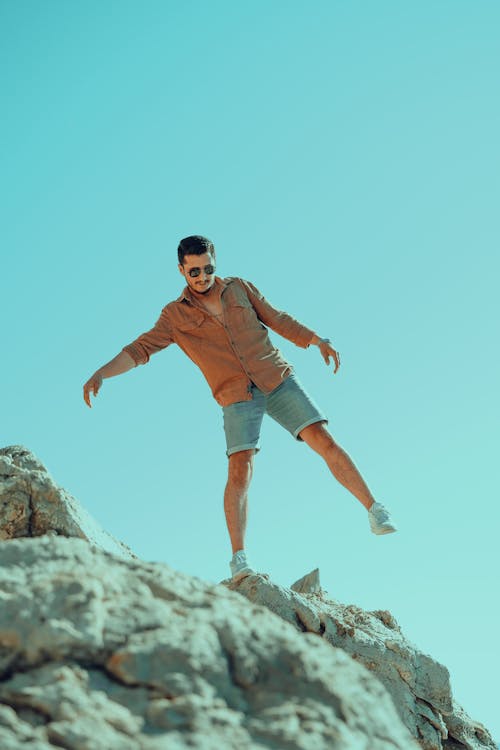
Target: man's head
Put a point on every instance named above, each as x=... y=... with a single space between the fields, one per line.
x=196 y=256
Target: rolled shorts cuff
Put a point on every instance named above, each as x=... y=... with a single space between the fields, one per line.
x=306 y=424
x=247 y=447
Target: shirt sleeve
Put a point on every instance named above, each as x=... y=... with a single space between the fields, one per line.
x=152 y=341
x=279 y=321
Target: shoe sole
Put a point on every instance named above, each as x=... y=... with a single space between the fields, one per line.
x=379 y=532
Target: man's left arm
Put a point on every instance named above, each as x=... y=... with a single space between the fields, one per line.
x=288 y=327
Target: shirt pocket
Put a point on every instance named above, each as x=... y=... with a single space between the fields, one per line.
x=242 y=315
x=189 y=325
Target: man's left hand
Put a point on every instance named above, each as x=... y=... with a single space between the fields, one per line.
x=328 y=351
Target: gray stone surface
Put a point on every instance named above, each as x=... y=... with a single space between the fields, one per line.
x=102 y=651
x=32 y=504
x=308 y=584
x=419 y=686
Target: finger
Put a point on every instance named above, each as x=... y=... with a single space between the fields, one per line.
x=331 y=353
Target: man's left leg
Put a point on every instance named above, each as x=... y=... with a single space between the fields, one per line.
x=290 y=405
x=317 y=436
x=343 y=469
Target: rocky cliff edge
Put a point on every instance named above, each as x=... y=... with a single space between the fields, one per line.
x=100 y=650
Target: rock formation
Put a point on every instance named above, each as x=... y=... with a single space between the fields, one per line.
x=102 y=651
x=32 y=504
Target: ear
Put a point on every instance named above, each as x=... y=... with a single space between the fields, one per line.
x=181 y=269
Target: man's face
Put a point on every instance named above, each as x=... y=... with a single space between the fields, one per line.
x=202 y=283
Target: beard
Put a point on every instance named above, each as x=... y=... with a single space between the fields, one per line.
x=203 y=289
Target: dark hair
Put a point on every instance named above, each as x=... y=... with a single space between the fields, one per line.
x=195 y=244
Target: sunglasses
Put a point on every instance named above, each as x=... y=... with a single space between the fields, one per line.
x=194 y=272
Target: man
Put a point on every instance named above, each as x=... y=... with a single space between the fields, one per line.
x=221 y=324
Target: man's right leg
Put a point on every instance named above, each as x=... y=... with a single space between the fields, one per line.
x=235 y=496
x=242 y=423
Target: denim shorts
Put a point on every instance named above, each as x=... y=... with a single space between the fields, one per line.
x=288 y=404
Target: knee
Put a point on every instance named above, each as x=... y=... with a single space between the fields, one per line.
x=241 y=467
x=318 y=438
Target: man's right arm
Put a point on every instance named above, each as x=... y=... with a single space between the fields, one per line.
x=121 y=363
x=136 y=353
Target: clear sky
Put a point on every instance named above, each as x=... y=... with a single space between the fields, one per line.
x=341 y=155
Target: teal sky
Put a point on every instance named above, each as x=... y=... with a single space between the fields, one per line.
x=343 y=156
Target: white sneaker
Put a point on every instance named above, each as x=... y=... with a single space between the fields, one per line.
x=380 y=519
x=239 y=566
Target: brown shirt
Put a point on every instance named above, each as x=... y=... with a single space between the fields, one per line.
x=233 y=351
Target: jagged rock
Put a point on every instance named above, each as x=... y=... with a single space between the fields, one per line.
x=99 y=652
x=419 y=686
x=308 y=584
x=32 y=504
x=102 y=651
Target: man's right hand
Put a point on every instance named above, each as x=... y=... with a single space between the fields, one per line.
x=121 y=363
x=93 y=384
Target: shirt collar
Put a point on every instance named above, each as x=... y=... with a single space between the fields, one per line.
x=188 y=296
